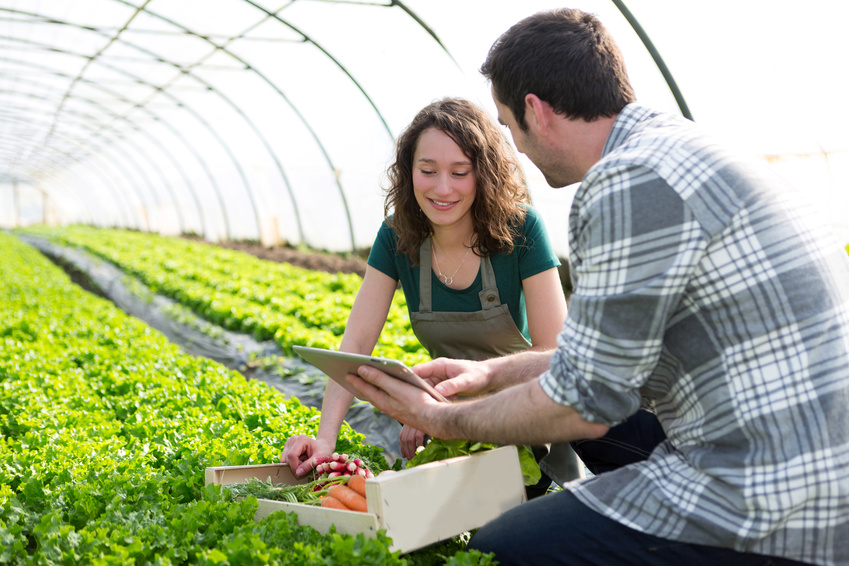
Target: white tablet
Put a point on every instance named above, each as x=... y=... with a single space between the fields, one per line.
x=338 y=364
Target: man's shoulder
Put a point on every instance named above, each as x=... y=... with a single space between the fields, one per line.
x=660 y=142
x=638 y=127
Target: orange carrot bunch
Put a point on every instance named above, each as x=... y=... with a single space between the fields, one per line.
x=349 y=496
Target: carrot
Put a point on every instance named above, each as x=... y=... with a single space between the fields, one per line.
x=350 y=498
x=358 y=484
x=332 y=503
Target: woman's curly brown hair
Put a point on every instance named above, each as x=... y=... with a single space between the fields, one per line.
x=500 y=190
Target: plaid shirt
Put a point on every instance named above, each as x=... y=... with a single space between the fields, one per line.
x=703 y=284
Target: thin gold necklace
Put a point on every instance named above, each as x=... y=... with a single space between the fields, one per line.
x=448 y=280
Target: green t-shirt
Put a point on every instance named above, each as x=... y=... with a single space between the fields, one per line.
x=532 y=254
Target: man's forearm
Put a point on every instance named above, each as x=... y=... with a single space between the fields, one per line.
x=507 y=371
x=522 y=415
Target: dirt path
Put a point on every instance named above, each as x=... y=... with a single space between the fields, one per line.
x=331 y=263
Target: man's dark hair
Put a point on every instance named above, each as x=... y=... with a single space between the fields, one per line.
x=567 y=58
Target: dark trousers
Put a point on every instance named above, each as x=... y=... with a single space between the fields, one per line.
x=623 y=444
x=558 y=529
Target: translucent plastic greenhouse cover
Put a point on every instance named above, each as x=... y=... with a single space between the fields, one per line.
x=274 y=120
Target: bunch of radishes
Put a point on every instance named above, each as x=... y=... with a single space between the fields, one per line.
x=337 y=465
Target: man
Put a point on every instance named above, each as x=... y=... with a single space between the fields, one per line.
x=700 y=284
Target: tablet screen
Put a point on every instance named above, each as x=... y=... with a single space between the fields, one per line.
x=338 y=364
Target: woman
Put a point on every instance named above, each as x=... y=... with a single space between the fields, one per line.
x=473 y=259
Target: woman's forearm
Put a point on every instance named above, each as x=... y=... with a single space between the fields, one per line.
x=334 y=407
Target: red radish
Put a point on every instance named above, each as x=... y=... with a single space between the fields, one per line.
x=338 y=465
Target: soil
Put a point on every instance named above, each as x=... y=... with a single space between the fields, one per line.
x=332 y=263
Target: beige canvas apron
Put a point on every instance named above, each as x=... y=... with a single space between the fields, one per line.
x=487 y=333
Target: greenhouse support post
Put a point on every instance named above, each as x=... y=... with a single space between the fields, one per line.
x=658 y=60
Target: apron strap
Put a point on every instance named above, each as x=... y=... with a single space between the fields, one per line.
x=489 y=296
x=425 y=277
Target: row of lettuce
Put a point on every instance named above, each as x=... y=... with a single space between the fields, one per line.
x=242 y=293
x=106 y=429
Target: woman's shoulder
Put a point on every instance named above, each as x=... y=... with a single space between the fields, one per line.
x=383 y=254
x=385 y=232
x=531 y=220
x=531 y=213
x=532 y=242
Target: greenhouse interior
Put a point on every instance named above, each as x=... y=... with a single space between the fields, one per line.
x=156 y=154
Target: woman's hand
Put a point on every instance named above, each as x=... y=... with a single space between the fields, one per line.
x=411 y=439
x=301 y=451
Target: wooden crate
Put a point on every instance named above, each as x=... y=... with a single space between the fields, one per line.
x=417 y=507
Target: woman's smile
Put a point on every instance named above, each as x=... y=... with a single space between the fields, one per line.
x=442 y=204
x=443 y=179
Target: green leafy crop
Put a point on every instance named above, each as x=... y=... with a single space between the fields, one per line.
x=240 y=292
x=106 y=429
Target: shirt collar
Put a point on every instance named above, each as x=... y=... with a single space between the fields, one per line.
x=628 y=119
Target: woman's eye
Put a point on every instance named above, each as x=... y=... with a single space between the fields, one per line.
x=461 y=174
x=426 y=171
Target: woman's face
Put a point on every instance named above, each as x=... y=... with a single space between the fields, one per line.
x=443 y=179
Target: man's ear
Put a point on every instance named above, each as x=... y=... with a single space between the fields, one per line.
x=537 y=114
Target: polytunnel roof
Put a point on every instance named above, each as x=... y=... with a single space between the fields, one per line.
x=274 y=120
